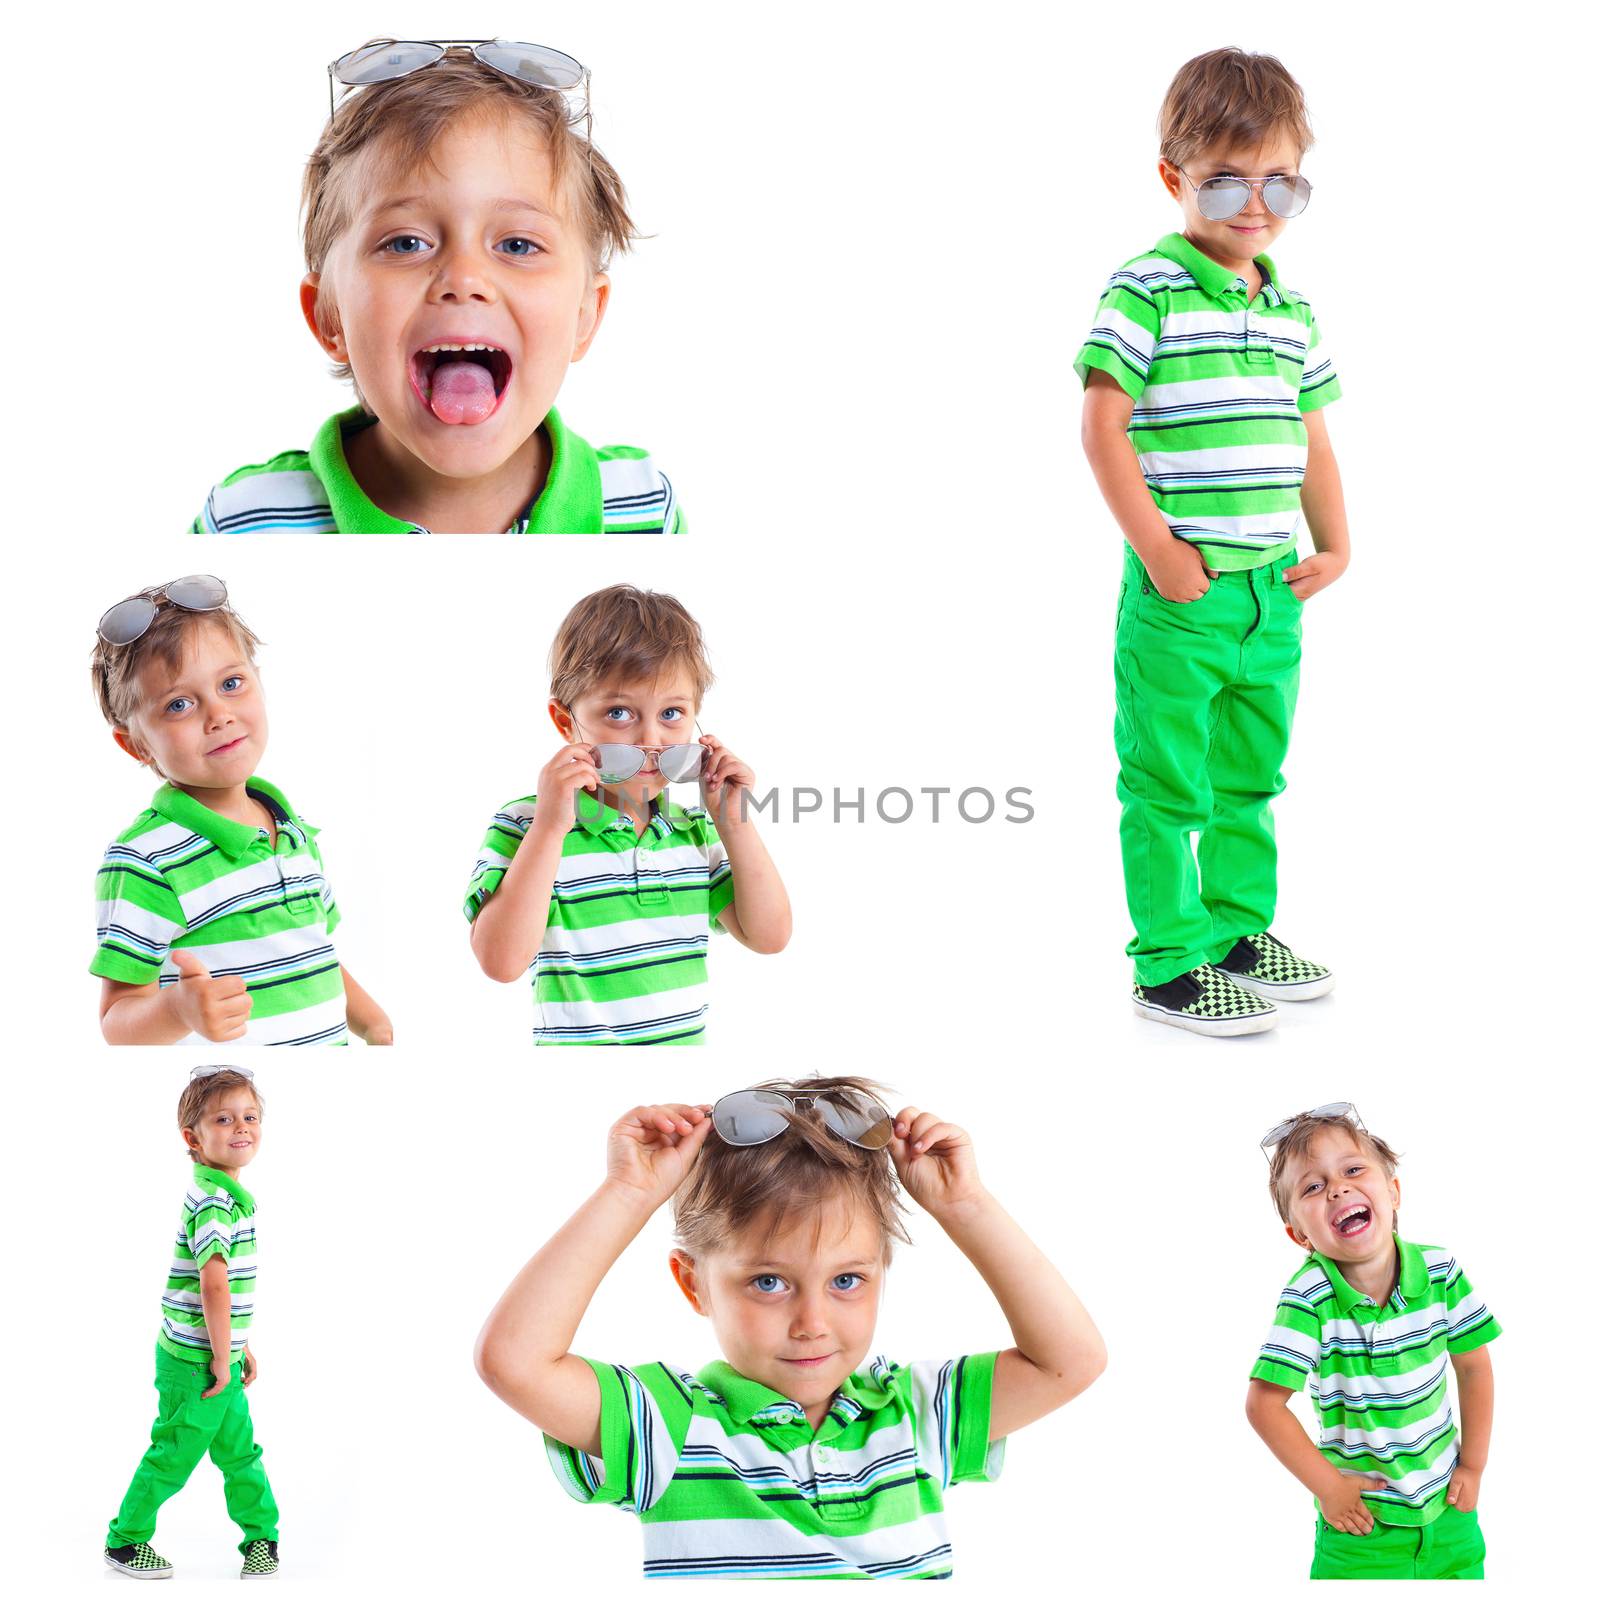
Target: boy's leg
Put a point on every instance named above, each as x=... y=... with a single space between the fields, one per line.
x=244 y=1479
x=1385 y=1552
x=1249 y=739
x=182 y=1433
x=1172 y=661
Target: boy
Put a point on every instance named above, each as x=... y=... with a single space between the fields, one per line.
x=457 y=231
x=215 y=920
x=203 y=1359
x=796 y=1455
x=1368 y=1325
x=602 y=885
x=1202 y=421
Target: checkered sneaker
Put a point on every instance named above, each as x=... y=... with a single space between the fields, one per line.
x=138 y=1561
x=1268 y=966
x=260 y=1559
x=1204 y=1001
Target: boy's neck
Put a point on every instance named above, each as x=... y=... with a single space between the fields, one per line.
x=637 y=807
x=1241 y=266
x=397 y=482
x=237 y=804
x=1375 y=1279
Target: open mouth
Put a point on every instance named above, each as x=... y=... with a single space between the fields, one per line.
x=460 y=383
x=1355 y=1220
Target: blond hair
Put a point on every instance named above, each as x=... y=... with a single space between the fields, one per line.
x=626 y=635
x=1231 y=97
x=115 y=668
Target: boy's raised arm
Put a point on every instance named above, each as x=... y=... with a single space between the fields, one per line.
x=144 y=1013
x=1058 y=1351
x=759 y=917
x=524 y=1350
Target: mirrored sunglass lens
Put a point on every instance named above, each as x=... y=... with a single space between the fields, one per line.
x=751 y=1117
x=1219 y=198
x=199 y=593
x=531 y=63
x=680 y=761
x=378 y=63
x=1286 y=197
x=619 y=761
x=127 y=620
x=859 y=1120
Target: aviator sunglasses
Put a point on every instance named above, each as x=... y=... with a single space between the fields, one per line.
x=538 y=65
x=1285 y=195
x=677 y=763
x=755 y=1116
x=1335 y=1112
x=130 y=619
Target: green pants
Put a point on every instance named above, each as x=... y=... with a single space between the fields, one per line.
x=1451 y=1546
x=1205 y=701
x=185 y=1429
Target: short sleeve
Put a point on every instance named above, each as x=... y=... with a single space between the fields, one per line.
x=721 y=870
x=210 y=1229
x=1471 y=1322
x=644 y=1419
x=138 y=918
x=330 y=905
x=1293 y=1348
x=506 y=833
x=1122 y=342
x=636 y=495
x=950 y=1406
x=1319 y=383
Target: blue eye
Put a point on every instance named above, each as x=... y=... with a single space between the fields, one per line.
x=520 y=248
x=235 y=682
x=672 y=714
x=767 y=1283
x=619 y=714
x=847 y=1280
x=404 y=244
x=176 y=708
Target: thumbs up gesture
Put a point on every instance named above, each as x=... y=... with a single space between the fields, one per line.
x=215 y=1008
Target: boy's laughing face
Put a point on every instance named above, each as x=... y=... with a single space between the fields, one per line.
x=1250 y=233
x=203 y=724
x=228 y=1134
x=795 y=1311
x=1341 y=1201
x=460 y=293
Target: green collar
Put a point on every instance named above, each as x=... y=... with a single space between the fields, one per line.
x=230 y=837
x=1212 y=276
x=1410 y=1286
x=596 y=817
x=570 y=501
x=754 y=1403
x=247 y=1201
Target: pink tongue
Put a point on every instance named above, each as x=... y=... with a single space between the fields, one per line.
x=462 y=391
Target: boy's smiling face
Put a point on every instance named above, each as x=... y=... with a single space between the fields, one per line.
x=478 y=246
x=228 y=1134
x=795 y=1311
x=1341 y=1201
x=202 y=725
x=1252 y=231
x=660 y=711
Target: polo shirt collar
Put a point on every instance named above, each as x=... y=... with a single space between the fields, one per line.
x=1212 y=276
x=1411 y=1284
x=247 y=1201
x=755 y=1404
x=230 y=837
x=570 y=502
x=596 y=817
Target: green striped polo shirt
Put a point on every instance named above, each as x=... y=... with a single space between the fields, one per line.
x=218 y=1219
x=624 y=954
x=728 y=1479
x=1220 y=384
x=184 y=878
x=617 y=489
x=1378 y=1375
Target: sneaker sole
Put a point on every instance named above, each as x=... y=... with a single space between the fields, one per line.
x=1311 y=989
x=258 y=1575
x=132 y=1572
x=1213 y=1027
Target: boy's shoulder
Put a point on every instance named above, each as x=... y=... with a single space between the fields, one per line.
x=281 y=495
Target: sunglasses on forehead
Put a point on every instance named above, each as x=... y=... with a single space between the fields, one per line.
x=129 y=620
x=1336 y=1111
x=756 y=1116
x=538 y=65
x=197 y=1073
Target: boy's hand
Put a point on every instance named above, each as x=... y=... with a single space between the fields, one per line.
x=379 y=1032
x=571 y=768
x=1344 y=1509
x=721 y=778
x=1179 y=572
x=215 y=1008
x=220 y=1368
x=1463 y=1493
x=935 y=1161
x=650 y=1150
x=248 y=1368
x=1314 y=574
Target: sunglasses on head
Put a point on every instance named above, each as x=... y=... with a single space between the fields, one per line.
x=1285 y=195
x=130 y=619
x=755 y=1116
x=384 y=60
x=196 y=1073
x=1338 y=1111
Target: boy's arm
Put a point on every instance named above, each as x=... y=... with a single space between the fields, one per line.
x=1475 y=1380
x=1058 y=1351
x=1176 y=567
x=216 y=1304
x=144 y=1013
x=1322 y=501
x=1338 y=1496
x=758 y=916
x=524 y=1351
x=365 y=1018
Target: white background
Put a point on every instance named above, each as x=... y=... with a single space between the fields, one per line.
x=878 y=237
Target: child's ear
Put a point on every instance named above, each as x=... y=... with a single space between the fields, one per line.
x=683 y=1274
x=591 y=313
x=127 y=742
x=1171 y=178
x=324 y=329
x=563 y=721
x=1299 y=1238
